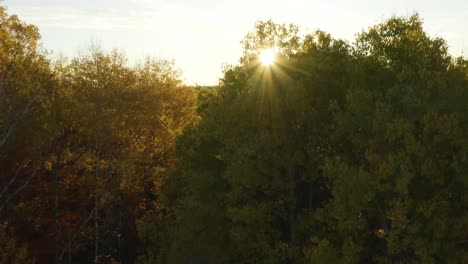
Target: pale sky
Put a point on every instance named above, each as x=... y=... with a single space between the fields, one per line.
x=203 y=35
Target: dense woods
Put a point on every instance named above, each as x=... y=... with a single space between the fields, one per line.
x=338 y=152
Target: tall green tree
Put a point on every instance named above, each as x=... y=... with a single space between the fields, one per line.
x=337 y=152
x=398 y=183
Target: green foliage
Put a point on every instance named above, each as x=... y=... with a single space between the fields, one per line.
x=336 y=153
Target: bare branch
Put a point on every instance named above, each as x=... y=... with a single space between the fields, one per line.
x=20 y=167
x=22 y=186
x=68 y=245
x=27 y=110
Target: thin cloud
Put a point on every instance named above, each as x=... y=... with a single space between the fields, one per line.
x=84 y=18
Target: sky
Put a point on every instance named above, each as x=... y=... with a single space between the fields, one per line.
x=202 y=36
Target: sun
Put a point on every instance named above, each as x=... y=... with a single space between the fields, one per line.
x=267 y=57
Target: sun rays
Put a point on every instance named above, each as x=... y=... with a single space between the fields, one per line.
x=269 y=65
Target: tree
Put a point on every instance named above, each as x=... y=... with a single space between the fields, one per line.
x=398 y=182
x=247 y=180
x=335 y=153
x=126 y=120
x=27 y=124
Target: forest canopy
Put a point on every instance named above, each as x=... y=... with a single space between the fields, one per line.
x=318 y=151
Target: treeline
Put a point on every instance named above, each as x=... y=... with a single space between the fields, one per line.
x=85 y=146
x=336 y=153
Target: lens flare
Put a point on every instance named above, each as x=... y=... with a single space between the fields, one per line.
x=267 y=57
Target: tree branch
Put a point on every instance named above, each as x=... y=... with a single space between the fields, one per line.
x=22 y=186
x=20 y=167
x=76 y=234
x=26 y=112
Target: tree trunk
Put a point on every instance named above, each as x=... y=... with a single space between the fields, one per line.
x=57 y=215
x=96 y=206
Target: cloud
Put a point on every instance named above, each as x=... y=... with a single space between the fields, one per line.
x=144 y=15
x=82 y=18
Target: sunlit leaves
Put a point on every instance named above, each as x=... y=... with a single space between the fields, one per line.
x=335 y=153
